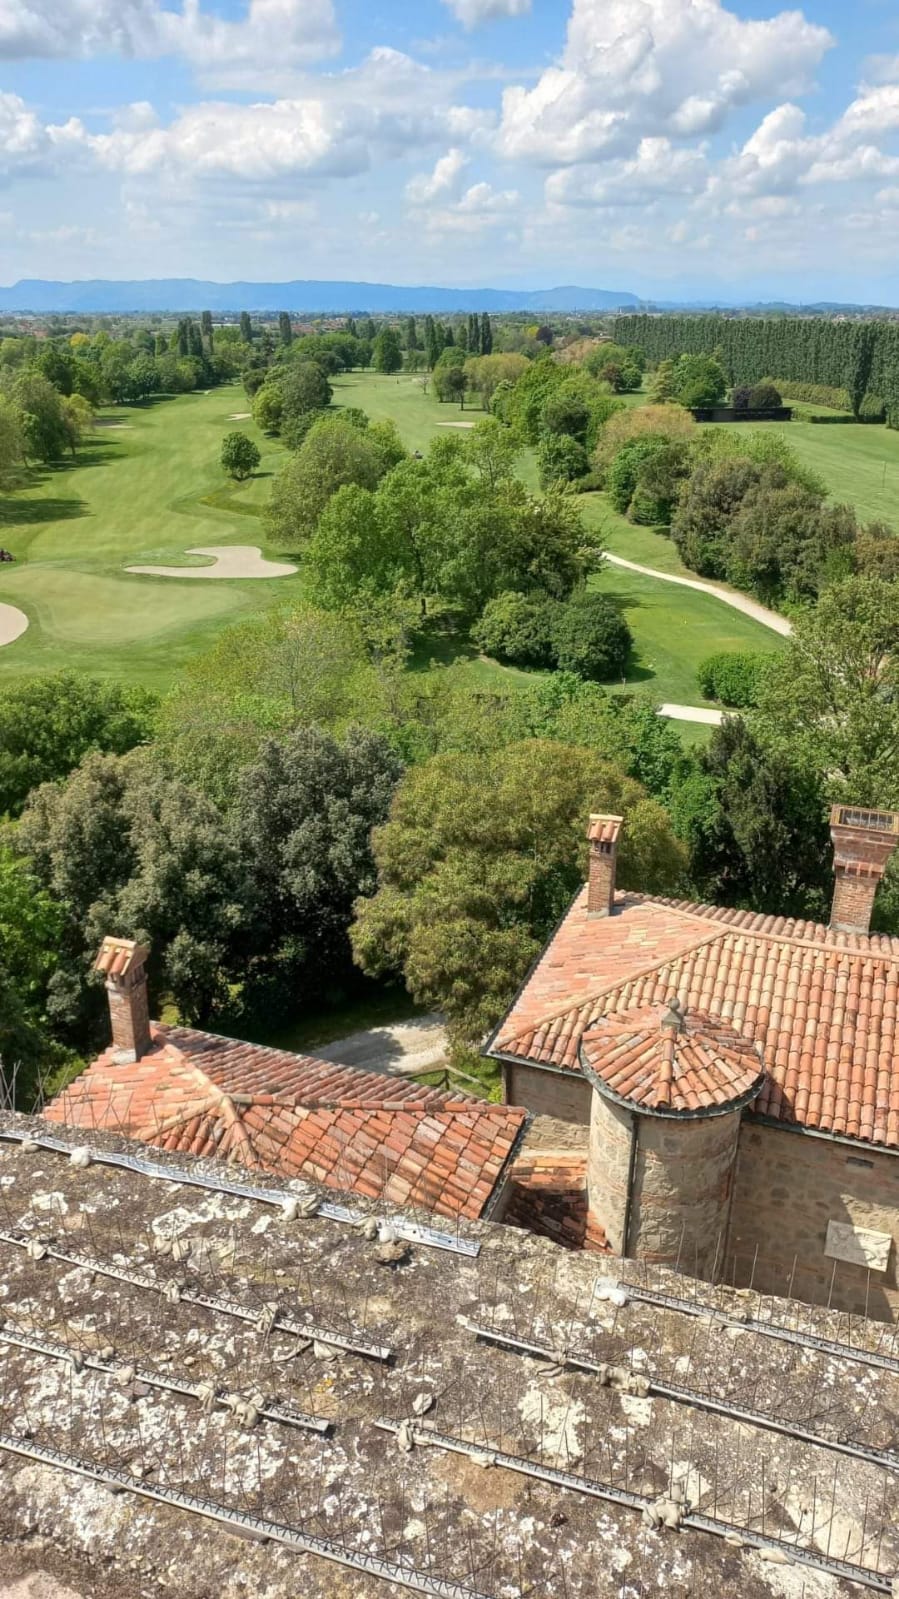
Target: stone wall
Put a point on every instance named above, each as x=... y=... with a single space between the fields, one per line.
x=680 y=1194
x=548 y=1093
x=788 y=1188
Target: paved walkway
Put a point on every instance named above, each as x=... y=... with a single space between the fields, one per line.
x=403 y=1049
x=739 y=602
x=693 y=713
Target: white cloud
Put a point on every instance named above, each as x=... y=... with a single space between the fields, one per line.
x=471 y=13
x=633 y=68
x=781 y=156
x=480 y=208
x=658 y=169
x=28 y=148
x=442 y=180
x=274 y=33
x=346 y=123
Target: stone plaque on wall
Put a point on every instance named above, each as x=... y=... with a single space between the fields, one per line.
x=858 y=1246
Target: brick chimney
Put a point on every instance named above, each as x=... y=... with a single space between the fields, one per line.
x=603 y=836
x=124 y=965
x=863 y=842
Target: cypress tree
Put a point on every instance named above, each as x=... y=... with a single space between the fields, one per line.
x=183 y=336
x=486 y=335
x=285 y=331
x=206 y=329
x=246 y=327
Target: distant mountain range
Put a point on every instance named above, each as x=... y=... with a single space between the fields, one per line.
x=100 y=295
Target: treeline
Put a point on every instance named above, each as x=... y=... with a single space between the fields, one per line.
x=859 y=357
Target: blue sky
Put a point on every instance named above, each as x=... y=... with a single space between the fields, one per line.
x=673 y=147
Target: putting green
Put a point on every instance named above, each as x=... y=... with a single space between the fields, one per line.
x=143 y=492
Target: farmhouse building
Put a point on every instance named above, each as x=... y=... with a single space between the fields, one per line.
x=735 y=1077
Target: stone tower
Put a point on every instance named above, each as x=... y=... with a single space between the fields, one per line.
x=668 y=1091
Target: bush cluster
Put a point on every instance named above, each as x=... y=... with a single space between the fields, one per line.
x=733 y=677
x=585 y=634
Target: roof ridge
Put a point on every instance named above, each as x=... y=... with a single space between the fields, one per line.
x=745 y=921
x=620 y=982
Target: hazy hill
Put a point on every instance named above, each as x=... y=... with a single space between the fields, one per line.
x=191 y=294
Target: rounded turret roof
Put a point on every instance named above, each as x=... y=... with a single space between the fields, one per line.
x=666 y=1061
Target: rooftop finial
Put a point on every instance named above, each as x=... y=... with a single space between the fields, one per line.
x=675 y=1016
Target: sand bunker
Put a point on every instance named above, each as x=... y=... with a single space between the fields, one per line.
x=455 y=424
x=239 y=416
x=13 y=623
x=228 y=560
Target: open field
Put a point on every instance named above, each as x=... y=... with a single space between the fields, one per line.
x=858 y=461
x=142 y=492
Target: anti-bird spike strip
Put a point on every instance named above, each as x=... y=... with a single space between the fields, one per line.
x=413 y=1232
x=654 y=1510
x=238 y=1521
x=886 y=1459
x=225 y=1307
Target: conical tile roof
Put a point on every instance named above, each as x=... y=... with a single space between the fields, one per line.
x=672 y=1062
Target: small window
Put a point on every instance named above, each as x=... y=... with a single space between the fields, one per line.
x=856 y=1160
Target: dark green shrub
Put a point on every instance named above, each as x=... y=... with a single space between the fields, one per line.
x=624 y=473
x=591 y=638
x=518 y=628
x=733 y=677
x=561 y=459
x=765 y=396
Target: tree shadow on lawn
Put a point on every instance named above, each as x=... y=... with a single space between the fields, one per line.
x=27 y=513
x=440 y=649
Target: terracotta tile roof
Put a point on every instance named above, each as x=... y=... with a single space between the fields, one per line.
x=824 y=1005
x=671 y=1062
x=380 y=1136
x=548 y=1196
x=119 y=956
x=604 y=829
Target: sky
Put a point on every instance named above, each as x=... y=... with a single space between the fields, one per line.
x=675 y=148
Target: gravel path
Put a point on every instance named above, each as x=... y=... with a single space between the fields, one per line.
x=228 y=560
x=13 y=623
x=739 y=602
x=403 y=1048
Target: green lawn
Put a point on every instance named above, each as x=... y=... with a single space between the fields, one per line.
x=142 y=492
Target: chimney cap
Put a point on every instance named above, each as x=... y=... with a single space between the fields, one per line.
x=120 y=957
x=604 y=829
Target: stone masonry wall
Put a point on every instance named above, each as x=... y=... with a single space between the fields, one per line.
x=788 y=1187
x=681 y=1187
x=608 y=1165
x=548 y=1093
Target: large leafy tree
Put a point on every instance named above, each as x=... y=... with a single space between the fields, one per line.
x=457 y=526
x=303 y=820
x=831 y=699
x=755 y=824
x=479 y=858
x=47 y=724
x=123 y=847
x=30 y=932
x=333 y=453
